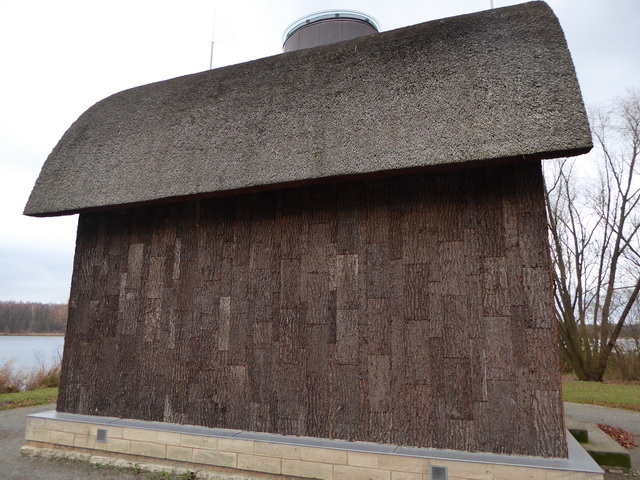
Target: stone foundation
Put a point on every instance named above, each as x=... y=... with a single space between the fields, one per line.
x=235 y=454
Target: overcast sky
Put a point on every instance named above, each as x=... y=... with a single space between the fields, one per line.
x=59 y=58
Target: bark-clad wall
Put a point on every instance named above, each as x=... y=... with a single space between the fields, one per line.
x=412 y=310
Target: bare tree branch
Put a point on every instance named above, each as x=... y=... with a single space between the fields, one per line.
x=594 y=239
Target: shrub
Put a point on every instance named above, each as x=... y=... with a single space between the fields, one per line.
x=10 y=381
x=17 y=381
x=43 y=377
x=625 y=362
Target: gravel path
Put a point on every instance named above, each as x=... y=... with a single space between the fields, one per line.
x=15 y=467
x=616 y=417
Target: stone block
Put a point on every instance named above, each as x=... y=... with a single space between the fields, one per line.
x=360 y=459
x=469 y=470
x=323 y=455
x=140 y=434
x=48 y=453
x=112 y=432
x=199 y=441
x=299 y=468
x=569 y=475
x=183 y=454
x=35 y=422
x=404 y=464
x=169 y=438
x=122 y=463
x=345 y=472
x=236 y=446
x=278 y=450
x=100 y=460
x=220 y=459
x=38 y=435
x=29 y=451
x=255 y=463
x=77 y=427
x=506 y=472
x=148 y=449
x=118 y=445
x=77 y=456
x=155 y=468
x=62 y=438
x=84 y=441
x=407 y=476
x=54 y=425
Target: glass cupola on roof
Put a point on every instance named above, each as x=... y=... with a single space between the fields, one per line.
x=330 y=26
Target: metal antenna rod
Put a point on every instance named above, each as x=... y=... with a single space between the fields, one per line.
x=213 y=35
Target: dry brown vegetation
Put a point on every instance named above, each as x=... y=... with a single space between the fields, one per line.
x=624 y=438
x=12 y=380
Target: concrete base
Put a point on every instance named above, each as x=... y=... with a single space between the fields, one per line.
x=218 y=454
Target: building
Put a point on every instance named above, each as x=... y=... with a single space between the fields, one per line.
x=339 y=244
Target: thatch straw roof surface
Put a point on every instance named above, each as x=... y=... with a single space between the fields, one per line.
x=493 y=86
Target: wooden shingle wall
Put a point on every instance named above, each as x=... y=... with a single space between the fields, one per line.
x=413 y=310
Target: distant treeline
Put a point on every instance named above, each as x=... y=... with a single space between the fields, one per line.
x=21 y=317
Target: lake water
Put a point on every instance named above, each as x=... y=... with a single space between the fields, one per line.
x=29 y=352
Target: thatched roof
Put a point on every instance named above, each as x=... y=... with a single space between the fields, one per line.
x=493 y=86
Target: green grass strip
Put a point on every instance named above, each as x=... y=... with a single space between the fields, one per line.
x=28 y=399
x=619 y=395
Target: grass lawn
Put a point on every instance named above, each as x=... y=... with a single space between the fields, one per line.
x=608 y=394
x=28 y=399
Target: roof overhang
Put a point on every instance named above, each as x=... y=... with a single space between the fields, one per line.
x=483 y=88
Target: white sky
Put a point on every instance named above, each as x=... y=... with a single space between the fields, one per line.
x=59 y=58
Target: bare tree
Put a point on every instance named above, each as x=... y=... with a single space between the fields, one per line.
x=594 y=240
